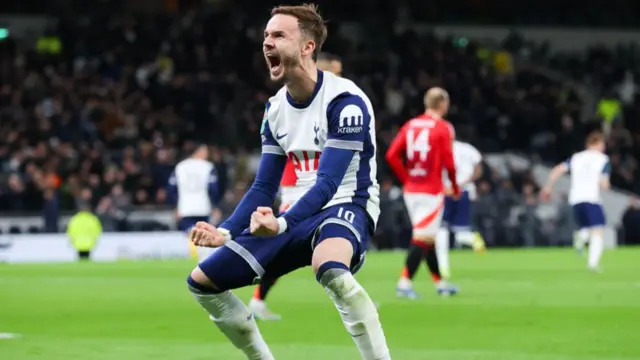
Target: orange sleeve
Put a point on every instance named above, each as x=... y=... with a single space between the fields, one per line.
x=394 y=155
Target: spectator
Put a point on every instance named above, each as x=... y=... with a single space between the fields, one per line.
x=565 y=224
x=107 y=106
x=529 y=222
x=113 y=209
x=486 y=214
x=627 y=89
x=569 y=139
x=393 y=219
x=631 y=223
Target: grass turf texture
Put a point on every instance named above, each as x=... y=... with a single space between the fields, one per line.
x=515 y=305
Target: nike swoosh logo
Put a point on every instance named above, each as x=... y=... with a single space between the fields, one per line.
x=278 y=137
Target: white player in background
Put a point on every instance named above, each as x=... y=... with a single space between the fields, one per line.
x=457 y=213
x=589 y=171
x=193 y=188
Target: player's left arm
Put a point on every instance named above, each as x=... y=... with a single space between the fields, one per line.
x=348 y=118
x=604 y=178
x=395 y=152
x=265 y=186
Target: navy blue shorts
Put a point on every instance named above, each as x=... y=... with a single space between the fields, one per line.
x=186 y=223
x=588 y=215
x=457 y=213
x=247 y=259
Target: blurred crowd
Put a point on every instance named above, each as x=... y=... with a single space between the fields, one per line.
x=612 y=75
x=96 y=113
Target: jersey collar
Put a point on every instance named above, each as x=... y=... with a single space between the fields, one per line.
x=306 y=104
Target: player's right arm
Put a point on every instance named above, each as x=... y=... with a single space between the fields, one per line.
x=554 y=175
x=395 y=153
x=447 y=157
x=265 y=186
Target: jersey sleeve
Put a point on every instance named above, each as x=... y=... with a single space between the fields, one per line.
x=476 y=157
x=265 y=186
x=395 y=152
x=269 y=143
x=606 y=169
x=348 y=122
x=567 y=163
x=451 y=131
x=446 y=143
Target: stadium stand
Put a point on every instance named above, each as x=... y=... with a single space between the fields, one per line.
x=97 y=117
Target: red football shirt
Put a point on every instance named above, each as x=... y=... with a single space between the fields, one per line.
x=426 y=143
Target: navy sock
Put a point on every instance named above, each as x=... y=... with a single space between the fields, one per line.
x=330 y=265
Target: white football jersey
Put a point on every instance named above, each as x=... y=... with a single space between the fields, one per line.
x=302 y=131
x=587 y=168
x=290 y=194
x=466 y=157
x=193 y=179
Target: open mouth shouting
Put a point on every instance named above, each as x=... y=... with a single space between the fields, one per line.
x=275 y=64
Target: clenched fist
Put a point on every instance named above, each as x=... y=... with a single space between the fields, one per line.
x=263 y=222
x=206 y=235
x=449 y=191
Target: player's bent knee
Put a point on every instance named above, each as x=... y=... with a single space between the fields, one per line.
x=329 y=271
x=339 y=250
x=199 y=281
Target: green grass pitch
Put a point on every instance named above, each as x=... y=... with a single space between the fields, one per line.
x=514 y=305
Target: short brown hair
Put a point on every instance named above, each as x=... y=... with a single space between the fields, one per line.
x=434 y=97
x=309 y=20
x=594 y=138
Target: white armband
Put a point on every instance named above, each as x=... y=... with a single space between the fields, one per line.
x=282 y=225
x=226 y=233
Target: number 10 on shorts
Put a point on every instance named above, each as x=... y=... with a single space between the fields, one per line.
x=347 y=215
